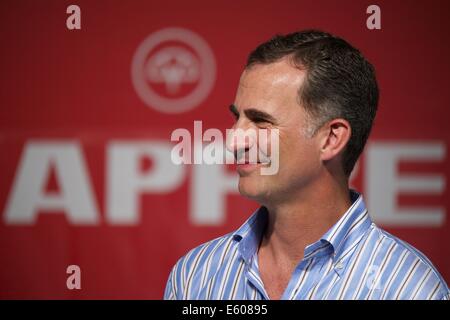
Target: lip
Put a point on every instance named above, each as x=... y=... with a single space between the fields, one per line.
x=249 y=167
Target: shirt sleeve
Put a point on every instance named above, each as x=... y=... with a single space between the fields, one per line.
x=170 y=293
x=174 y=290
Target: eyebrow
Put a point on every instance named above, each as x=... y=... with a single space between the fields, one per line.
x=253 y=114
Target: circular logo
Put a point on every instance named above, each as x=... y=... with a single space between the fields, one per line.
x=173 y=70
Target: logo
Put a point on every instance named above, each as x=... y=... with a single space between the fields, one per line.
x=173 y=70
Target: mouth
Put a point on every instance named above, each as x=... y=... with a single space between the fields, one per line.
x=247 y=162
x=246 y=167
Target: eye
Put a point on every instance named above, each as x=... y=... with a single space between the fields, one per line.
x=261 y=122
x=235 y=116
x=234 y=111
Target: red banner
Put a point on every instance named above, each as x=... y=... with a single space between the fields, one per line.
x=91 y=92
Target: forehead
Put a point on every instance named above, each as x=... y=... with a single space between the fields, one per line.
x=269 y=86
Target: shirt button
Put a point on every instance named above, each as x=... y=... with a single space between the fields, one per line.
x=339 y=265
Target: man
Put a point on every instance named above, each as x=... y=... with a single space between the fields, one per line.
x=312 y=237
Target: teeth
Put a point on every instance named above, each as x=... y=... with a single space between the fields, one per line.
x=263 y=159
x=243 y=161
x=246 y=162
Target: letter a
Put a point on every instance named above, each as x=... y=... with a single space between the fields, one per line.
x=74 y=280
x=374 y=20
x=74 y=20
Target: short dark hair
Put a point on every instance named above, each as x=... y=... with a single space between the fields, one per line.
x=339 y=83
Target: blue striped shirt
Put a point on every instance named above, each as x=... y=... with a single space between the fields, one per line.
x=355 y=259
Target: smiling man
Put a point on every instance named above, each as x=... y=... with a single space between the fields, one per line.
x=312 y=237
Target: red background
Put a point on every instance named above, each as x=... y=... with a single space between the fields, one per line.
x=61 y=84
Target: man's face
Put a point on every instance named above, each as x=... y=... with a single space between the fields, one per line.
x=267 y=99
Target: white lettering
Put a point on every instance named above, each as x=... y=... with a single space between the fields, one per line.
x=126 y=182
x=28 y=196
x=383 y=183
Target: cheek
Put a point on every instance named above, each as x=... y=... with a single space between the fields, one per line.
x=299 y=152
x=268 y=141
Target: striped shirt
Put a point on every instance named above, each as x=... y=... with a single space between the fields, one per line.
x=355 y=259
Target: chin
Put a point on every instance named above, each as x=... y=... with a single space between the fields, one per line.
x=252 y=188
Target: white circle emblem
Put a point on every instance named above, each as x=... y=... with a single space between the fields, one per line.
x=173 y=70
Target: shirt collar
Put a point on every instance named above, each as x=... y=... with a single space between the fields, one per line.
x=342 y=235
x=350 y=227
x=250 y=233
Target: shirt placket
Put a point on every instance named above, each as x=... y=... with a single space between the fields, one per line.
x=253 y=276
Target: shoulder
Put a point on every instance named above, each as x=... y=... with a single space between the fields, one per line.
x=207 y=255
x=404 y=271
x=193 y=270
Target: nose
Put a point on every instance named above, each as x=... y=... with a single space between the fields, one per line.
x=240 y=139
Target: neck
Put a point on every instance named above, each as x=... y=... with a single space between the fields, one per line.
x=303 y=218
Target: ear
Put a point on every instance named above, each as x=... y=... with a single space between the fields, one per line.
x=334 y=138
